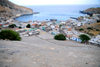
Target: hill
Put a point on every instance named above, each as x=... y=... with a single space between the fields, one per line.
x=91 y=29
x=91 y=11
x=11 y=10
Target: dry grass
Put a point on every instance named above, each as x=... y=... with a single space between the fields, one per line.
x=95 y=28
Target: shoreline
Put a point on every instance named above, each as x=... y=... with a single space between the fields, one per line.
x=19 y=15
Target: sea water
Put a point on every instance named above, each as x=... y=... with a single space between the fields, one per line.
x=59 y=12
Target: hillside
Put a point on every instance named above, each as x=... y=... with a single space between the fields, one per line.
x=37 y=51
x=8 y=9
x=91 y=11
x=92 y=29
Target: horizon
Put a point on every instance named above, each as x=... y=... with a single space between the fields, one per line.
x=55 y=2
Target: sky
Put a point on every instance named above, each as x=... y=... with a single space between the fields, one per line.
x=55 y=2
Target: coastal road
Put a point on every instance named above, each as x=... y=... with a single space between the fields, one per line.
x=37 y=51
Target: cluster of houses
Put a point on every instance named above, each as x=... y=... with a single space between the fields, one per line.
x=5 y=24
x=83 y=20
x=55 y=27
x=95 y=40
x=80 y=21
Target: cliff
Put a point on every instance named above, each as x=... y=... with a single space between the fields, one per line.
x=11 y=10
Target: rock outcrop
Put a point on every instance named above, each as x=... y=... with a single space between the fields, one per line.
x=11 y=10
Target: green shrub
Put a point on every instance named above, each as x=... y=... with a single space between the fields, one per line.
x=90 y=28
x=81 y=29
x=10 y=35
x=59 y=37
x=98 y=21
x=97 y=30
x=60 y=26
x=12 y=26
x=28 y=26
x=84 y=38
x=19 y=27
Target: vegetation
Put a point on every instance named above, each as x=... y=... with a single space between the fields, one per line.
x=81 y=29
x=97 y=29
x=28 y=26
x=20 y=27
x=98 y=21
x=84 y=38
x=91 y=34
x=60 y=26
x=90 y=28
x=10 y=35
x=12 y=26
x=59 y=37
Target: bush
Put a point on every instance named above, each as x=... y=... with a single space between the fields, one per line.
x=20 y=27
x=84 y=38
x=97 y=30
x=59 y=37
x=12 y=26
x=10 y=35
x=90 y=28
x=28 y=26
x=81 y=29
x=60 y=26
x=98 y=21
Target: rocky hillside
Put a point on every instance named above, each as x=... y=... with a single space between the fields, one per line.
x=91 y=11
x=8 y=9
x=91 y=29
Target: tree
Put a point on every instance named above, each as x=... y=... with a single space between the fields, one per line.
x=60 y=37
x=28 y=26
x=84 y=38
x=10 y=35
x=60 y=26
x=12 y=26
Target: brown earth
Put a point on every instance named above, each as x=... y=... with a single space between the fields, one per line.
x=95 y=28
x=8 y=9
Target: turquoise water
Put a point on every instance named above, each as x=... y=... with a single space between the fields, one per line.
x=59 y=12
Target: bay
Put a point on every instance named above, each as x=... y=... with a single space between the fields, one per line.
x=59 y=12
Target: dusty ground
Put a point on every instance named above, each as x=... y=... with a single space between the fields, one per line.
x=43 y=51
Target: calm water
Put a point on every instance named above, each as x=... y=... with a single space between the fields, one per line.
x=59 y=12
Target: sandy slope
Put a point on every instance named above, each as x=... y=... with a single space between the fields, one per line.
x=37 y=51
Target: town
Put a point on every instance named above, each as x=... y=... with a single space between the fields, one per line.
x=71 y=28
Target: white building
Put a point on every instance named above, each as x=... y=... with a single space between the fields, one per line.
x=95 y=40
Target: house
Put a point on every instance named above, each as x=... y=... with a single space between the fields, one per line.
x=95 y=40
x=5 y=25
x=96 y=16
